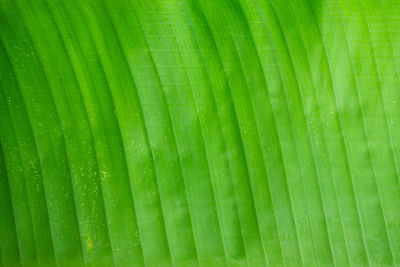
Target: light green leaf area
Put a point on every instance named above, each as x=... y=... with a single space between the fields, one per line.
x=199 y=133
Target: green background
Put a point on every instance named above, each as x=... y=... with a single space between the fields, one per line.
x=200 y=132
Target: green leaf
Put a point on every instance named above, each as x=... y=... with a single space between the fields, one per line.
x=199 y=133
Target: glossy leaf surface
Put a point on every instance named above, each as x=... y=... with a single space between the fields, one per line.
x=200 y=132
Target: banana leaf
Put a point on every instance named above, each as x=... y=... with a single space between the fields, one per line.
x=199 y=133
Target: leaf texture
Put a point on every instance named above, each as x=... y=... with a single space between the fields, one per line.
x=200 y=133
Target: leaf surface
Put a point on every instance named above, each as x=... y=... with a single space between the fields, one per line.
x=199 y=133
